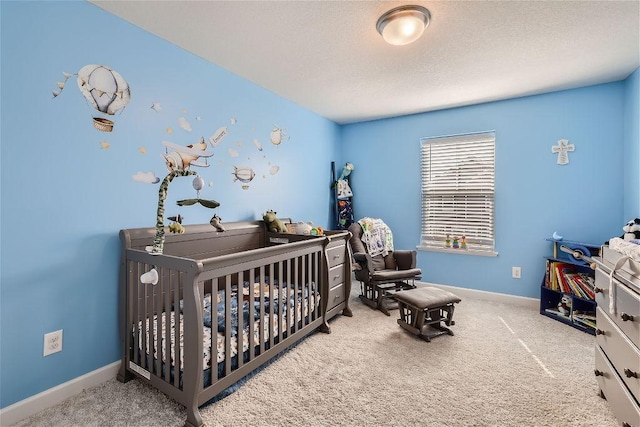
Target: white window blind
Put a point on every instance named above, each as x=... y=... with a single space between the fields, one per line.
x=458 y=176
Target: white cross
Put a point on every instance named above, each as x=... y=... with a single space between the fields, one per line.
x=563 y=149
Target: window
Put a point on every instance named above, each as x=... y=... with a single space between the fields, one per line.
x=458 y=191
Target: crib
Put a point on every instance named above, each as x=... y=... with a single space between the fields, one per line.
x=224 y=304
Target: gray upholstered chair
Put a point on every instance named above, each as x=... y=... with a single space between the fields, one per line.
x=382 y=276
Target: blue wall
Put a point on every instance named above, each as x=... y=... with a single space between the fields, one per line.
x=632 y=147
x=64 y=198
x=534 y=196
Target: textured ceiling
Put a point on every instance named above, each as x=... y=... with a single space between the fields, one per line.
x=327 y=56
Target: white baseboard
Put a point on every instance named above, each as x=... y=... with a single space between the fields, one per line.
x=489 y=296
x=48 y=398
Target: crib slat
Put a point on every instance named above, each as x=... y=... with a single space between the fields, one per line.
x=251 y=274
x=175 y=333
x=273 y=286
x=309 y=286
x=290 y=307
x=159 y=309
x=281 y=302
x=227 y=325
x=261 y=320
x=315 y=284
x=240 y=296
x=312 y=286
x=253 y=312
x=167 y=288
x=304 y=284
x=214 y=330
x=296 y=271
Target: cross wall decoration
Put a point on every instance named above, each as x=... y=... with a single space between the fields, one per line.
x=562 y=148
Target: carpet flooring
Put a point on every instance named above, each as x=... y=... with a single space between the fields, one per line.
x=506 y=366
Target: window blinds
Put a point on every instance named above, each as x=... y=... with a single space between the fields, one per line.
x=458 y=175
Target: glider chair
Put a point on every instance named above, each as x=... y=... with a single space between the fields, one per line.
x=381 y=276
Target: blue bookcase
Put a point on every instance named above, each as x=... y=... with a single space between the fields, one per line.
x=567 y=291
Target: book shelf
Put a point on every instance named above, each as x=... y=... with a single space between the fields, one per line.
x=567 y=292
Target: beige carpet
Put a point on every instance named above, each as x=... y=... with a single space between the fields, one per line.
x=505 y=366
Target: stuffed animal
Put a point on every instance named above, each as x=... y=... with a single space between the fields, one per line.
x=216 y=222
x=631 y=230
x=176 y=227
x=564 y=306
x=273 y=223
x=304 y=227
x=346 y=171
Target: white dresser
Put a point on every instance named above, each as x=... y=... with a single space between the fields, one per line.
x=617 y=352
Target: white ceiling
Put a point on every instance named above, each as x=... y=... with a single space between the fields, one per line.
x=328 y=57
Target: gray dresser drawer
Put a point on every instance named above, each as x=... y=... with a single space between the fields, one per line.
x=620 y=350
x=336 y=296
x=627 y=308
x=336 y=255
x=624 y=406
x=336 y=276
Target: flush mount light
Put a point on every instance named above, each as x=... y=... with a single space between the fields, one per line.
x=403 y=24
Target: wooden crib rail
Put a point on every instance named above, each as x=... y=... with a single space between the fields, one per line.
x=222 y=264
x=200 y=240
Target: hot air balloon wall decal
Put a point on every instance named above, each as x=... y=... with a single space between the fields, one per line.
x=278 y=135
x=104 y=89
x=244 y=174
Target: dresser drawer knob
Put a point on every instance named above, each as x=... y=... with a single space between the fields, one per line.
x=629 y=373
x=599 y=332
x=626 y=317
x=597 y=290
x=598 y=373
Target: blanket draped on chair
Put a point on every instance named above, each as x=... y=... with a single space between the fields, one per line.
x=377 y=236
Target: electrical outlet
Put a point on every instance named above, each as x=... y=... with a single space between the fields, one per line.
x=52 y=342
x=516 y=273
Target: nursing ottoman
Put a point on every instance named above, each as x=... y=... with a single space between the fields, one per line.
x=424 y=310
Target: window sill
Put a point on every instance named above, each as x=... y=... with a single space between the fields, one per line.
x=456 y=251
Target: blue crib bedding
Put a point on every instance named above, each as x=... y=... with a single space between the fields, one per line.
x=308 y=301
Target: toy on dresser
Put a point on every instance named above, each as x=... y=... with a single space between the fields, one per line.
x=273 y=223
x=631 y=230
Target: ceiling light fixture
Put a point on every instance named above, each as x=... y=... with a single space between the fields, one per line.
x=403 y=24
